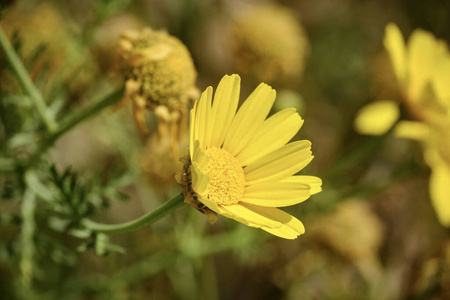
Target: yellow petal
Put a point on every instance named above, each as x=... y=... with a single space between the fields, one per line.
x=284 y=232
x=276 y=194
x=200 y=156
x=314 y=182
x=441 y=77
x=280 y=163
x=440 y=192
x=202 y=116
x=422 y=48
x=200 y=178
x=412 y=130
x=377 y=118
x=249 y=118
x=395 y=45
x=290 y=228
x=275 y=132
x=249 y=217
x=211 y=205
x=226 y=99
x=191 y=130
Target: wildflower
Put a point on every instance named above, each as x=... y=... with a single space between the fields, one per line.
x=160 y=77
x=46 y=41
x=268 y=42
x=422 y=68
x=354 y=231
x=239 y=164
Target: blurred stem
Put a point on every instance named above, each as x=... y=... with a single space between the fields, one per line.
x=147 y=219
x=27 y=210
x=356 y=155
x=26 y=84
x=375 y=187
x=80 y=116
x=76 y=118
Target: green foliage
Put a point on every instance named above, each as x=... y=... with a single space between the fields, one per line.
x=51 y=249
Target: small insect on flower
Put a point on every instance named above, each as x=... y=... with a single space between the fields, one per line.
x=240 y=165
x=159 y=76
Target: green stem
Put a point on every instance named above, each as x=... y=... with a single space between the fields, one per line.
x=26 y=84
x=357 y=155
x=147 y=219
x=28 y=207
x=75 y=118
x=80 y=116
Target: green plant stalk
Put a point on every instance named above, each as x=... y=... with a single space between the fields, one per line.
x=358 y=154
x=74 y=119
x=28 y=207
x=77 y=117
x=147 y=219
x=26 y=84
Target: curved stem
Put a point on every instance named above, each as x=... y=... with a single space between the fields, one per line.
x=26 y=84
x=147 y=219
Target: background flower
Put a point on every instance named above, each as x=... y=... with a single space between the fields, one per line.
x=421 y=67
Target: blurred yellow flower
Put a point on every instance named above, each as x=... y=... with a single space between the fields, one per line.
x=268 y=42
x=240 y=163
x=422 y=68
x=354 y=231
x=47 y=40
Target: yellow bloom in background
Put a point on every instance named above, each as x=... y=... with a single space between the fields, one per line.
x=268 y=42
x=354 y=231
x=422 y=67
x=240 y=165
x=44 y=31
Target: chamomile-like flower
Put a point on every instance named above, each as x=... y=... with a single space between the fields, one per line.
x=422 y=68
x=241 y=165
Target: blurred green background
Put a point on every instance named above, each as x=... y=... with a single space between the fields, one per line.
x=370 y=234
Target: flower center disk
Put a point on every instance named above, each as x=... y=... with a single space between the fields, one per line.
x=226 y=178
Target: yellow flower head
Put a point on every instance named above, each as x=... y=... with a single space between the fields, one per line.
x=268 y=42
x=43 y=25
x=422 y=67
x=160 y=76
x=240 y=165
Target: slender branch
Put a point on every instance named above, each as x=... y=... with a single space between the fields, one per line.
x=26 y=84
x=358 y=154
x=75 y=118
x=80 y=116
x=28 y=207
x=147 y=219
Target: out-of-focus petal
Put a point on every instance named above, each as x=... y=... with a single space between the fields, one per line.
x=377 y=118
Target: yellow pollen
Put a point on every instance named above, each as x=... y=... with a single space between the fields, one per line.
x=226 y=178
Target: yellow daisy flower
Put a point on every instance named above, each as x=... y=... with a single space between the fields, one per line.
x=422 y=67
x=240 y=165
